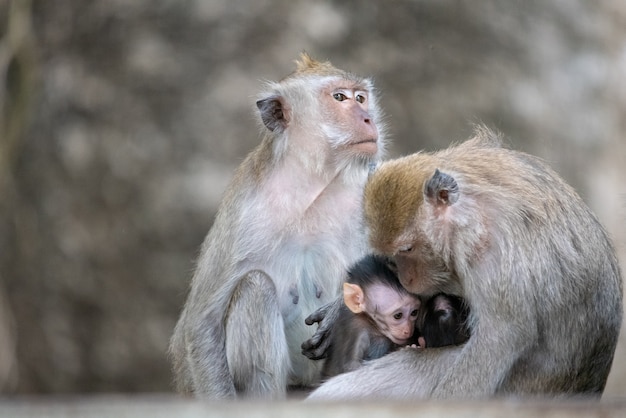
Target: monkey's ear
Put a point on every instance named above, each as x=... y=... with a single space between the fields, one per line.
x=353 y=297
x=441 y=189
x=273 y=113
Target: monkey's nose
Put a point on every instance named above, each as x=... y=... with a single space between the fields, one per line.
x=364 y=114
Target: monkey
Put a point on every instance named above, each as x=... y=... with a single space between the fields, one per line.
x=377 y=317
x=442 y=321
x=289 y=225
x=539 y=274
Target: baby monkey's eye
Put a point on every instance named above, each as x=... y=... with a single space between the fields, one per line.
x=414 y=313
x=360 y=98
x=397 y=315
x=340 y=97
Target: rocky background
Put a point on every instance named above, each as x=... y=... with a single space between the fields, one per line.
x=122 y=121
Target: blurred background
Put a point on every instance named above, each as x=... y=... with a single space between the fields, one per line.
x=121 y=122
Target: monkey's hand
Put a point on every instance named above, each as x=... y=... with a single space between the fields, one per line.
x=315 y=347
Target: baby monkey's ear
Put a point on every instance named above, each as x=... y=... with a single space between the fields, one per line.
x=353 y=297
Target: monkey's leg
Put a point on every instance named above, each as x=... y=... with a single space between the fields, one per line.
x=256 y=346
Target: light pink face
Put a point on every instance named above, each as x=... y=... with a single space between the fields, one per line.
x=394 y=313
x=346 y=106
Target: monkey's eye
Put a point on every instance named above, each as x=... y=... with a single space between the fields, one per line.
x=397 y=315
x=406 y=249
x=360 y=98
x=414 y=313
x=340 y=97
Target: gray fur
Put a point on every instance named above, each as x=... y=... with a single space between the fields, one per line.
x=538 y=272
x=288 y=228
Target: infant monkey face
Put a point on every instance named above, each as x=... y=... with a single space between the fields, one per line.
x=395 y=313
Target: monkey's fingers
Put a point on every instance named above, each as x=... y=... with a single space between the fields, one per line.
x=316 y=347
x=421 y=342
x=316 y=316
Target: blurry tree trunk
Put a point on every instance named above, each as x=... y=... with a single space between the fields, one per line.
x=17 y=80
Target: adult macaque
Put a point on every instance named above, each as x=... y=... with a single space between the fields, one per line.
x=378 y=316
x=286 y=232
x=538 y=272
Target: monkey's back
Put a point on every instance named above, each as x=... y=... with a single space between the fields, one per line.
x=527 y=250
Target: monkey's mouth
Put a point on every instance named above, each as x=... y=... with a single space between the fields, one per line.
x=400 y=341
x=366 y=146
x=365 y=141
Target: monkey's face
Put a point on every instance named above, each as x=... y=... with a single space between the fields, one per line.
x=419 y=270
x=394 y=313
x=348 y=120
x=404 y=204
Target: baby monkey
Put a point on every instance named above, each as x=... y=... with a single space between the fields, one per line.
x=443 y=321
x=379 y=316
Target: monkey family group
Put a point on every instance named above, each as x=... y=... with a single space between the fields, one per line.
x=471 y=272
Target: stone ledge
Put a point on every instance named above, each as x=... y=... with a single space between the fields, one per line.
x=155 y=406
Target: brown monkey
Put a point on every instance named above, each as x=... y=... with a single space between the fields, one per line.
x=377 y=317
x=289 y=226
x=537 y=270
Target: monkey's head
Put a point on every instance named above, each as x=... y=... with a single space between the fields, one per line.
x=306 y=65
x=406 y=204
x=325 y=115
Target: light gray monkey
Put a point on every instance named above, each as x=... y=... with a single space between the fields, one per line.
x=537 y=270
x=288 y=228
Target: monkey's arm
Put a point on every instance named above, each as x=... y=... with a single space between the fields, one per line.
x=473 y=370
x=405 y=374
x=485 y=362
x=359 y=351
x=315 y=347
